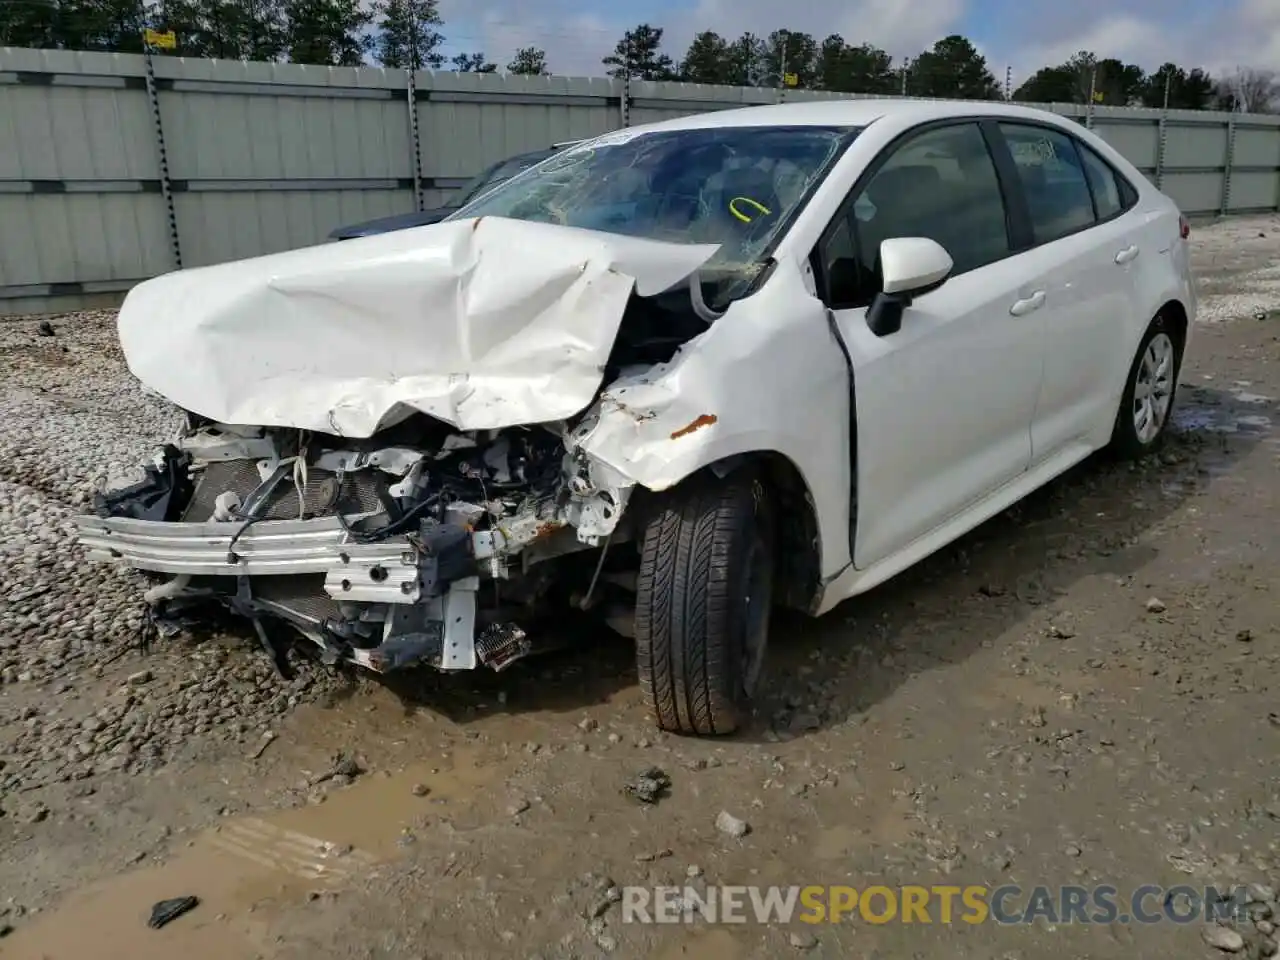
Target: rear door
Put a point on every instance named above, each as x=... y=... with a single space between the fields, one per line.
x=944 y=405
x=1085 y=251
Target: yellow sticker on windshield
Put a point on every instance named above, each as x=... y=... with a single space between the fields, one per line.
x=737 y=203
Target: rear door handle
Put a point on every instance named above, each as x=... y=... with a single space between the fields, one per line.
x=1032 y=303
x=1127 y=254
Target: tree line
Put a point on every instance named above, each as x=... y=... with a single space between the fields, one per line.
x=951 y=68
x=344 y=33
x=407 y=33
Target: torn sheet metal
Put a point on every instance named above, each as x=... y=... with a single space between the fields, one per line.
x=482 y=323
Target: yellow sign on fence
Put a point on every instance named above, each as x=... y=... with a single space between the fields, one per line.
x=790 y=79
x=165 y=41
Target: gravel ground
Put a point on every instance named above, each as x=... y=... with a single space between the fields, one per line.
x=1081 y=691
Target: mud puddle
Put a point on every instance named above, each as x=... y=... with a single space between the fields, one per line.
x=1236 y=409
x=246 y=869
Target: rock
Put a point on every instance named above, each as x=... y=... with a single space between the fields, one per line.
x=517 y=807
x=419 y=790
x=1265 y=927
x=649 y=786
x=1244 y=636
x=1260 y=893
x=268 y=737
x=141 y=677
x=1072 y=850
x=693 y=871
x=1268 y=947
x=606 y=899
x=803 y=722
x=731 y=826
x=1223 y=939
x=588 y=724
x=45 y=329
x=803 y=941
x=896 y=765
x=37 y=814
x=1155 y=605
x=655 y=855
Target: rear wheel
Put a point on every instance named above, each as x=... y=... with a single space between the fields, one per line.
x=1143 y=418
x=704 y=598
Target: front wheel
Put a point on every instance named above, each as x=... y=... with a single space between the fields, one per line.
x=1147 y=403
x=703 y=602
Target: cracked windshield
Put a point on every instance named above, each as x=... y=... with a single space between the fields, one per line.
x=735 y=186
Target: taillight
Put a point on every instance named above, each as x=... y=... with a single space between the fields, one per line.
x=1184 y=226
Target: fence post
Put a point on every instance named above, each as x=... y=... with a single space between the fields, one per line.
x=1163 y=129
x=1093 y=87
x=166 y=185
x=415 y=140
x=1228 y=162
x=625 y=109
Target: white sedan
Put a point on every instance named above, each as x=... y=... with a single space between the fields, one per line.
x=675 y=375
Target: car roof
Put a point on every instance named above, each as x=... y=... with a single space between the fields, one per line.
x=848 y=113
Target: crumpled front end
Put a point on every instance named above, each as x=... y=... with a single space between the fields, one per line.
x=419 y=546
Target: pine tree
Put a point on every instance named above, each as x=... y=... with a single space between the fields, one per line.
x=529 y=61
x=406 y=34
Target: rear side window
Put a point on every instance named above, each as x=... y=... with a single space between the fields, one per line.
x=1111 y=194
x=1053 y=180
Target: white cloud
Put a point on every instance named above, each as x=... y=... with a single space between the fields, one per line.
x=576 y=34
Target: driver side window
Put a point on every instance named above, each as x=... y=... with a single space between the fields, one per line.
x=939 y=184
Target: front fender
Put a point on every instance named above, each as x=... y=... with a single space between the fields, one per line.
x=765 y=377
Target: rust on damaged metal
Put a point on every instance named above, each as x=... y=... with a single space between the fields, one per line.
x=706 y=420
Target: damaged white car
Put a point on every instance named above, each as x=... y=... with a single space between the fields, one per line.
x=679 y=374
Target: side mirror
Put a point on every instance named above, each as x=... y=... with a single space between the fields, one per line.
x=910 y=267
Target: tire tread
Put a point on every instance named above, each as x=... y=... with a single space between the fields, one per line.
x=686 y=611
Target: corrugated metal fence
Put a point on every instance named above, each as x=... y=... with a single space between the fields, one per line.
x=110 y=174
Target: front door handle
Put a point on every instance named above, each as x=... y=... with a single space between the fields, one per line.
x=1032 y=303
x=1127 y=254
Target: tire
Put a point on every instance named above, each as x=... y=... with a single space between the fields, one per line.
x=1158 y=361
x=703 y=601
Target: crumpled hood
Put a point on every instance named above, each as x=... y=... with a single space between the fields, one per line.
x=481 y=323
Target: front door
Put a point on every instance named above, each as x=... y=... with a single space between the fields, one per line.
x=944 y=405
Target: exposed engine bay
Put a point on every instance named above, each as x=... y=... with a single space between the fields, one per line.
x=422 y=545
x=418 y=487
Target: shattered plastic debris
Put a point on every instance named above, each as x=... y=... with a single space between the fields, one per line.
x=167 y=911
x=649 y=786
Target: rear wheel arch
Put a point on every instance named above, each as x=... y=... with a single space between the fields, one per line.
x=1176 y=314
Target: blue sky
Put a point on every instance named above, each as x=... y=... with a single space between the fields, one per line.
x=1022 y=34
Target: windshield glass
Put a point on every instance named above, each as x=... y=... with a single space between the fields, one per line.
x=495 y=175
x=735 y=186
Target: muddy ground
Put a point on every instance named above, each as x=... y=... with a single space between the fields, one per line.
x=1081 y=691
